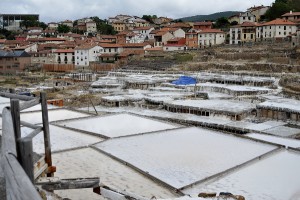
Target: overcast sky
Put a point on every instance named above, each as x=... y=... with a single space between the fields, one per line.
x=59 y=10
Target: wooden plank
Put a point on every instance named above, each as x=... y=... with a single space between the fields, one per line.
x=16 y=96
x=47 y=143
x=15 y=113
x=65 y=184
x=18 y=185
x=26 y=157
x=8 y=136
x=34 y=133
x=32 y=126
x=28 y=104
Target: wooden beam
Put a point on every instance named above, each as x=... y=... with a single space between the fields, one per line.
x=47 y=143
x=18 y=185
x=16 y=96
x=28 y=104
x=34 y=133
x=32 y=126
x=15 y=113
x=65 y=184
x=26 y=157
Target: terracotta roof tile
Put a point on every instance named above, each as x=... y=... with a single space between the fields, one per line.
x=279 y=22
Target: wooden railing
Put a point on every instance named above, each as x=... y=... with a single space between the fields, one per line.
x=17 y=154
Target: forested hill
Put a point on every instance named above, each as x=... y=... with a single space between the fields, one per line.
x=211 y=17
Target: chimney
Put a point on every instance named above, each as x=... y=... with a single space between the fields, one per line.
x=291 y=12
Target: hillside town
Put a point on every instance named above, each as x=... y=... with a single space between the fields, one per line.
x=151 y=107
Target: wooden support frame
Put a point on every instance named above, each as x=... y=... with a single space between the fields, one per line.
x=64 y=184
x=48 y=156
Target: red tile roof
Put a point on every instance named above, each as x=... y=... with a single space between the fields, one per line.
x=2 y=41
x=85 y=46
x=279 y=22
x=106 y=45
x=291 y=14
x=203 y=24
x=247 y=24
x=64 y=51
x=108 y=37
x=128 y=45
x=155 y=49
x=211 y=31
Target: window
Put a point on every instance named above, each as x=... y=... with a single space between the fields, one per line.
x=284 y=28
x=279 y=33
x=244 y=36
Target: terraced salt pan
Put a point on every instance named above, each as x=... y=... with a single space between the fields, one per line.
x=238 y=88
x=277 y=140
x=54 y=115
x=91 y=163
x=283 y=131
x=118 y=125
x=272 y=178
x=289 y=104
x=219 y=105
x=183 y=156
x=61 y=139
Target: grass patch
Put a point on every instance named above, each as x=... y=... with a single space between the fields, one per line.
x=183 y=57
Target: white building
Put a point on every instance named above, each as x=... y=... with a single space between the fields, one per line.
x=235 y=34
x=53 y=25
x=210 y=37
x=64 y=56
x=144 y=31
x=247 y=17
x=111 y=48
x=177 y=32
x=277 y=29
x=91 y=27
x=85 y=54
x=259 y=11
x=68 y=23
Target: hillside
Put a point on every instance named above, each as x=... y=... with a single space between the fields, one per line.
x=211 y=17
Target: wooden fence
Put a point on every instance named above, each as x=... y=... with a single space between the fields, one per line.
x=17 y=155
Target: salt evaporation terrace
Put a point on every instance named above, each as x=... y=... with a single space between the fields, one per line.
x=273 y=177
x=117 y=125
x=171 y=157
x=144 y=152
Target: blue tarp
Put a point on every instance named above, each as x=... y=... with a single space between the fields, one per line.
x=185 y=80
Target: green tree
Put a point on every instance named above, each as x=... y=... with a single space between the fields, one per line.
x=148 y=18
x=63 y=28
x=278 y=8
x=43 y=25
x=10 y=35
x=103 y=27
x=29 y=21
x=222 y=23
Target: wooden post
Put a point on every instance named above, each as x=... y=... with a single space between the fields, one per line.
x=26 y=157
x=47 y=142
x=15 y=113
